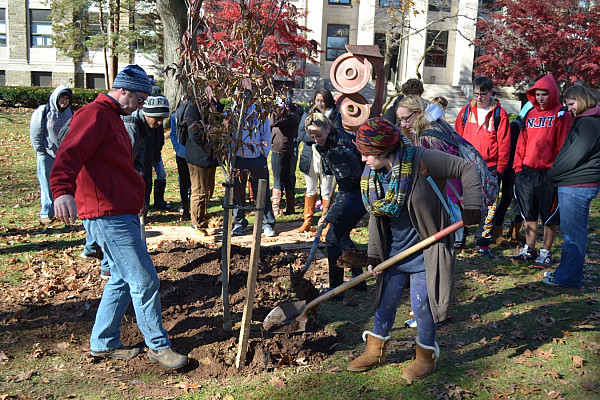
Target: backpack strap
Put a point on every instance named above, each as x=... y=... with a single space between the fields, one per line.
x=496 y=118
x=466 y=115
x=435 y=188
x=440 y=135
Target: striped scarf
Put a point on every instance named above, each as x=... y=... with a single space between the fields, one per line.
x=391 y=202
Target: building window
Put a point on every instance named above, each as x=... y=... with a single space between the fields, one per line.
x=337 y=39
x=388 y=3
x=439 y=5
x=41 y=79
x=145 y=29
x=437 y=43
x=95 y=81
x=2 y=26
x=94 y=37
x=41 y=28
x=2 y=78
x=339 y=2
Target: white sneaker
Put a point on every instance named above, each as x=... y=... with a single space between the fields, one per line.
x=269 y=231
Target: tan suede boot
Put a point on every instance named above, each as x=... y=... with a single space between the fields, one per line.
x=374 y=354
x=309 y=211
x=276 y=202
x=497 y=237
x=514 y=233
x=290 y=202
x=326 y=205
x=424 y=364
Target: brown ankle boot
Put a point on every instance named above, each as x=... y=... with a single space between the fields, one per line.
x=514 y=233
x=374 y=354
x=276 y=202
x=309 y=211
x=424 y=364
x=497 y=237
x=290 y=202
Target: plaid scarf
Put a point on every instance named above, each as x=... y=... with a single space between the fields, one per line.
x=391 y=202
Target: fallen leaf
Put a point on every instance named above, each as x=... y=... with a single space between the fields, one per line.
x=277 y=382
x=23 y=376
x=577 y=361
x=529 y=389
x=558 y=340
x=590 y=386
x=3 y=357
x=552 y=394
x=186 y=386
x=553 y=374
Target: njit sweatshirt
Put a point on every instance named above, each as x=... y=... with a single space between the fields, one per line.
x=544 y=131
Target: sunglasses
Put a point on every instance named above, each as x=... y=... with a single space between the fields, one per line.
x=482 y=94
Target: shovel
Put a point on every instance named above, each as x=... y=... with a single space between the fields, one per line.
x=313 y=248
x=295 y=313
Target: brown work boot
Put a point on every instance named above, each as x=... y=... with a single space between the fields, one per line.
x=374 y=354
x=424 y=364
x=276 y=202
x=514 y=232
x=497 y=237
x=168 y=358
x=290 y=200
x=309 y=211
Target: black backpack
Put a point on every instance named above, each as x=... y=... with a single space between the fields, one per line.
x=181 y=123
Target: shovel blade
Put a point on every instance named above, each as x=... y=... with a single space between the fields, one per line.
x=283 y=314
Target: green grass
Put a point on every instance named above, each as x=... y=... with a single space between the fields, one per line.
x=509 y=337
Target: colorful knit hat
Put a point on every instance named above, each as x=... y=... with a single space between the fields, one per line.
x=133 y=78
x=377 y=136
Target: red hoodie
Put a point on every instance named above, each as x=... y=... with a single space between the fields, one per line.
x=94 y=163
x=493 y=145
x=544 y=131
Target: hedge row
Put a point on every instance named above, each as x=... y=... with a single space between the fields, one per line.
x=33 y=96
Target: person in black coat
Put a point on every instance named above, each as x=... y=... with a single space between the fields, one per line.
x=576 y=173
x=202 y=165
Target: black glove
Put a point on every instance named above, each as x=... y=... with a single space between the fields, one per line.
x=373 y=261
x=471 y=216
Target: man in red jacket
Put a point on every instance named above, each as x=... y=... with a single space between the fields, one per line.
x=545 y=129
x=94 y=176
x=487 y=128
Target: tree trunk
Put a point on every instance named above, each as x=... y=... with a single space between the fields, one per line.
x=173 y=17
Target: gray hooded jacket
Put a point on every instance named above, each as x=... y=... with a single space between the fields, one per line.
x=47 y=120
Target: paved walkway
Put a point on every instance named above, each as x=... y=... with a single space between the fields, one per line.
x=287 y=237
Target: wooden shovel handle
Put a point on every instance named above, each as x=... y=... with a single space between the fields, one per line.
x=385 y=264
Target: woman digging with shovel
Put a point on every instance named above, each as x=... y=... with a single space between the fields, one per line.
x=404 y=210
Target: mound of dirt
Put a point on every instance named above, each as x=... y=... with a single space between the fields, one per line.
x=190 y=276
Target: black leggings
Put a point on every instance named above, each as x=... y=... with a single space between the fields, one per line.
x=508 y=180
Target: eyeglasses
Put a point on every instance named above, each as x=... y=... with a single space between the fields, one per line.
x=140 y=100
x=405 y=119
x=482 y=94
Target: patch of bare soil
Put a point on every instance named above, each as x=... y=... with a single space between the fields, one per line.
x=190 y=275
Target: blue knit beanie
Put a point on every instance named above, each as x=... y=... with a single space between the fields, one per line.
x=133 y=78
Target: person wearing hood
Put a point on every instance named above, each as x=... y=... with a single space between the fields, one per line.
x=490 y=137
x=46 y=122
x=576 y=173
x=544 y=130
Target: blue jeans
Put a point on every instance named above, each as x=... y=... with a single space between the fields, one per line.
x=394 y=282
x=92 y=247
x=338 y=237
x=44 y=166
x=133 y=280
x=574 y=203
x=159 y=167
